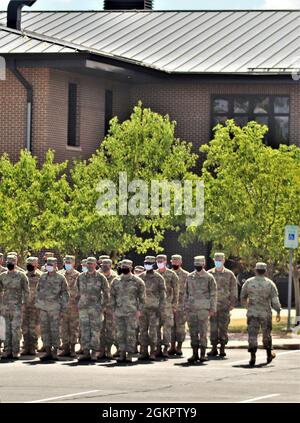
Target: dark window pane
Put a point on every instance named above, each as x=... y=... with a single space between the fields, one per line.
x=241 y=105
x=220 y=105
x=281 y=105
x=219 y=119
x=72 y=115
x=281 y=130
x=263 y=120
x=261 y=105
x=241 y=120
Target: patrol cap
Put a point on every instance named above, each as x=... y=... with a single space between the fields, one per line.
x=199 y=260
x=219 y=256
x=261 y=266
x=48 y=254
x=101 y=258
x=83 y=261
x=12 y=253
x=149 y=259
x=139 y=269
x=126 y=263
x=69 y=258
x=52 y=260
x=91 y=260
x=176 y=257
x=1 y=255
x=161 y=257
x=107 y=262
x=32 y=260
x=11 y=257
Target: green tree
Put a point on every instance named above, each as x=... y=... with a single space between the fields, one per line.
x=145 y=147
x=251 y=192
x=32 y=203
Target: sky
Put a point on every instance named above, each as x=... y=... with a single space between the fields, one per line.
x=166 y=4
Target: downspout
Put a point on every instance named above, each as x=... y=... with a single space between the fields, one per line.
x=29 y=89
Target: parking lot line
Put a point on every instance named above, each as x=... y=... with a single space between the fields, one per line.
x=259 y=398
x=63 y=396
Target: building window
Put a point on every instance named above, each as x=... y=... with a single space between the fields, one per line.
x=273 y=111
x=108 y=109
x=73 y=133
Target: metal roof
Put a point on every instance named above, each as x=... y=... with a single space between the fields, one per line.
x=216 y=41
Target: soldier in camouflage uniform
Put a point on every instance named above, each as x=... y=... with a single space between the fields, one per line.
x=227 y=298
x=154 y=302
x=31 y=316
x=2 y=268
x=47 y=255
x=200 y=303
x=13 y=253
x=259 y=294
x=100 y=262
x=178 y=329
x=93 y=298
x=127 y=299
x=52 y=298
x=107 y=334
x=167 y=314
x=70 y=318
x=14 y=294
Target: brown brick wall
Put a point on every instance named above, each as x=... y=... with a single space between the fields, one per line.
x=189 y=103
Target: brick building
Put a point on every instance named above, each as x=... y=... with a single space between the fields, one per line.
x=69 y=72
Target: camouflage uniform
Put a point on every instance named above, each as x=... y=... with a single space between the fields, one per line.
x=14 y=291
x=200 y=300
x=93 y=294
x=70 y=318
x=52 y=298
x=178 y=330
x=167 y=315
x=227 y=297
x=154 y=302
x=259 y=294
x=31 y=315
x=108 y=329
x=127 y=298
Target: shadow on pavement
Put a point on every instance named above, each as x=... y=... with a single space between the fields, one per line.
x=257 y=366
x=191 y=364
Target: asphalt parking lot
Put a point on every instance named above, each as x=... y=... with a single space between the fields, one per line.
x=171 y=381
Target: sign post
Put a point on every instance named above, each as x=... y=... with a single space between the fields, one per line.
x=291 y=242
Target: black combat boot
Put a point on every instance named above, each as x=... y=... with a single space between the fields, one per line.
x=214 y=351
x=203 y=356
x=85 y=357
x=195 y=357
x=172 y=350
x=47 y=356
x=253 y=359
x=179 y=349
x=270 y=355
x=222 y=350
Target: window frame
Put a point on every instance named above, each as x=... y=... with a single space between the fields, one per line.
x=271 y=115
x=74 y=131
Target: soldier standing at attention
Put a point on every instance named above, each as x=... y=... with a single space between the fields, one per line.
x=259 y=294
x=31 y=315
x=127 y=299
x=107 y=336
x=47 y=255
x=70 y=318
x=200 y=303
x=13 y=253
x=14 y=293
x=178 y=329
x=227 y=298
x=52 y=298
x=93 y=296
x=167 y=313
x=154 y=302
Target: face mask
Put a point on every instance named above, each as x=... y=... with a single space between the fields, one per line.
x=119 y=271
x=125 y=271
x=30 y=267
x=218 y=264
x=49 y=268
x=68 y=266
x=198 y=268
x=161 y=265
x=10 y=266
x=84 y=269
x=175 y=266
x=148 y=267
x=105 y=268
